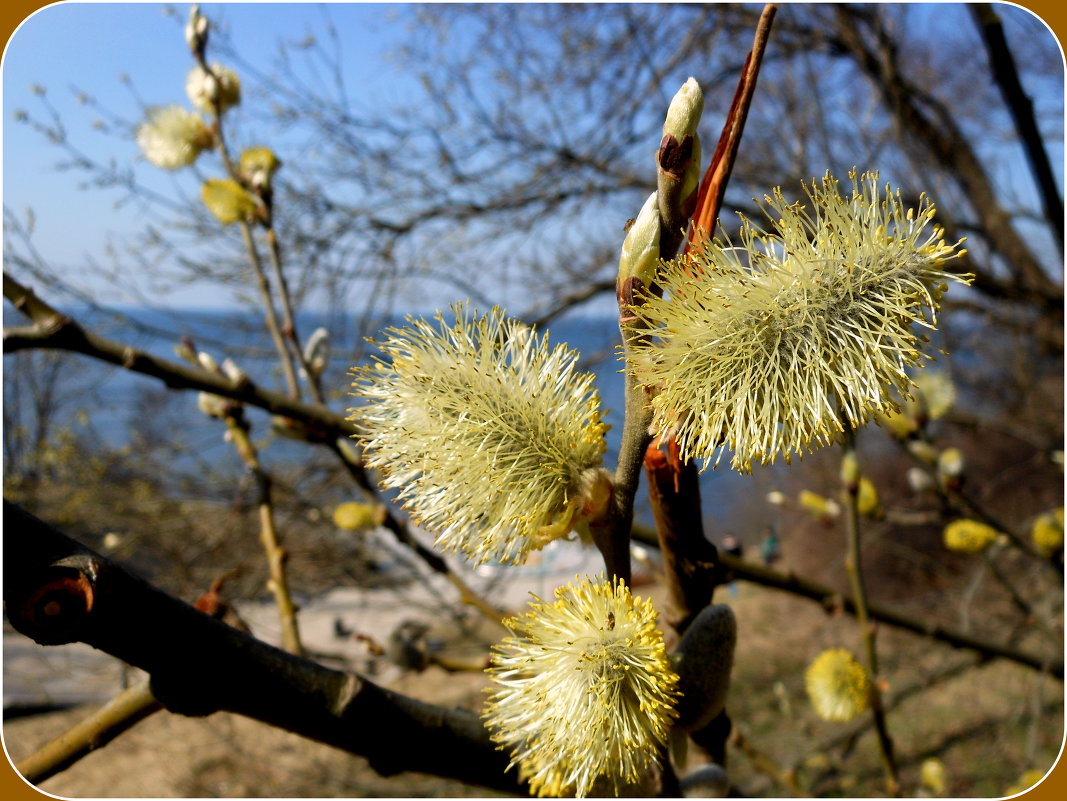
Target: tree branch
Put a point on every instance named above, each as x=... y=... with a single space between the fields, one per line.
x=827 y=597
x=57 y=591
x=53 y=329
x=1002 y=64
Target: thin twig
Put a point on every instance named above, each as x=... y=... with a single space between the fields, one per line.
x=271 y=316
x=118 y=715
x=53 y=329
x=854 y=568
x=277 y=556
x=828 y=598
x=262 y=284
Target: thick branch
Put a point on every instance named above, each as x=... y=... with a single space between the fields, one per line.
x=58 y=591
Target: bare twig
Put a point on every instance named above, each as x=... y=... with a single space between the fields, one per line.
x=828 y=597
x=53 y=329
x=277 y=556
x=1002 y=65
x=118 y=715
x=854 y=568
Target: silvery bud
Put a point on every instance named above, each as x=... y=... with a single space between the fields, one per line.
x=683 y=117
x=213 y=405
x=919 y=480
x=683 y=114
x=640 y=250
x=196 y=28
x=233 y=372
x=703 y=660
x=317 y=352
x=207 y=361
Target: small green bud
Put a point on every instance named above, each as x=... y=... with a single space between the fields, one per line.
x=640 y=250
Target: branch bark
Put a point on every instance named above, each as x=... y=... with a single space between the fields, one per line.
x=53 y=329
x=57 y=591
x=828 y=596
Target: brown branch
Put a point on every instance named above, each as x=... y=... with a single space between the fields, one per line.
x=1002 y=64
x=53 y=329
x=57 y=591
x=828 y=597
x=690 y=561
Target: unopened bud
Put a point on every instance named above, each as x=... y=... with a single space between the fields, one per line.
x=354 y=516
x=640 y=249
x=233 y=372
x=950 y=463
x=704 y=659
x=317 y=352
x=258 y=165
x=207 y=361
x=867 y=501
x=900 y=424
x=919 y=480
x=228 y=200
x=683 y=114
x=935 y=393
x=683 y=118
x=196 y=28
x=777 y=498
x=825 y=509
x=923 y=451
x=213 y=405
x=850 y=471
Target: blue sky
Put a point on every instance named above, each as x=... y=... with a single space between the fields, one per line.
x=91 y=46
